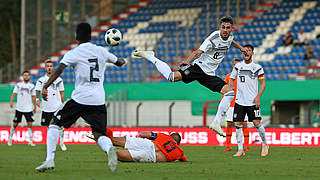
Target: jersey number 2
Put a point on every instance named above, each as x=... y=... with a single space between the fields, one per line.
x=96 y=68
x=169 y=146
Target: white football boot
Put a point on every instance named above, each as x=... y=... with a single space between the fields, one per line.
x=63 y=147
x=217 y=129
x=46 y=165
x=142 y=54
x=112 y=159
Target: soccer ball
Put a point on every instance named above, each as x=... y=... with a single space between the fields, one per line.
x=113 y=37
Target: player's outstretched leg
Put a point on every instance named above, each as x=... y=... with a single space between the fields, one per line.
x=62 y=145
x=52 y=141
x=162 y=67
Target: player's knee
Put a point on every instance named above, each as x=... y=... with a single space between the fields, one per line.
x=176 y=76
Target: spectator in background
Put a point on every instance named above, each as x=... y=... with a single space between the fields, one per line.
x=288 y=39
x=309 y=54
x=302 y=39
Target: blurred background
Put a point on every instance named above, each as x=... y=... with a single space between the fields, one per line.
x=285 y=34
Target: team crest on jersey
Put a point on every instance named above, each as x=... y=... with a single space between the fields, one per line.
x=234 y=115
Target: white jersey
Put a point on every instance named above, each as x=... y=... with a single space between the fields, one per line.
x=247 y=82
x=54 y=98
x=88 y=62
x=215 y=49
x=24 y=93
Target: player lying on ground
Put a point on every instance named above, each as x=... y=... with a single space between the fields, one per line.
x=206 y=61
x=55 y=99
x=149 y=147
x=248 y=96
x=229 y=116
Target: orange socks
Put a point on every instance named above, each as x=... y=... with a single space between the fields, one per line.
x=229 y=134
x=246 y=136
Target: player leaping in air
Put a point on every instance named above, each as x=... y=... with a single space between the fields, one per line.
x=205 y=62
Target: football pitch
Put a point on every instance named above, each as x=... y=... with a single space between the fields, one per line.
x=205 y=162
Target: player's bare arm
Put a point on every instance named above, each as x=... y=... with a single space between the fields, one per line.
x=52 y=78
x=231 y=83
x=63 y=98
x=13 y=95
x=261 y=90
x=237 y=45
x=192 y=57
x=145 y=134
x=37 y=98
x=120 y=62
x=34 y=104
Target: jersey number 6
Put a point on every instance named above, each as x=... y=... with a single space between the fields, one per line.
x=96 y=68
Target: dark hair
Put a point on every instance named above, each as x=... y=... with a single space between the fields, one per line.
x=25 y=72
x=49 y=61
x=83 y=32
x=249 y=46
x=176 y=137
x=237 y=59
x=226 y=19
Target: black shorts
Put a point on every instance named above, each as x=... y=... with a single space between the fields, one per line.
x=70 y=112
x=27 y=115
x=240 y=113
x=194 y=72
x=46 y=118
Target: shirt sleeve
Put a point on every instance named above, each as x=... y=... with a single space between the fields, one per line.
x=68 y=59
x=183 y=158
x=227 y=78
x=206 y=45
x=33 y=91
x=261 y=73
x=15 y=90
x=234 y=72
x=38 y=85
x=108 y=56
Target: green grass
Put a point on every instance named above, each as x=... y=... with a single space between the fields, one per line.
x=205 y=162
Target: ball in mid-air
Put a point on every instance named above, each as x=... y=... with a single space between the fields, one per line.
x=113 y=37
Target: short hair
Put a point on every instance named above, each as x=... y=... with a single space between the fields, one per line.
x=25 y=72
x=237 y=59
x=83 y=32
x=226 y=19
x=176 y=137
x=249 y=46
x=48 y=61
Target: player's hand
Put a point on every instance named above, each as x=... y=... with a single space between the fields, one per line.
x=183 y=63
x=34 y=110
x=38 y=103
x=11 y=104
x=257 y=101
x=44 y=94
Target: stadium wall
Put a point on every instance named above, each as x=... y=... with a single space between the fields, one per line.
x=198 y=95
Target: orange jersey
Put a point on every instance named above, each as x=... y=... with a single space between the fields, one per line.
x=169 y=148
x=227 y=79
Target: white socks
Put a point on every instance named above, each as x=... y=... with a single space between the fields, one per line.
x=223 y=106
x=105 y=143
x=30 y=134
x=262 y=134
x=239 y=138
x=12 y=133
x=61 y=132
x=162 y=67
x=52 y=141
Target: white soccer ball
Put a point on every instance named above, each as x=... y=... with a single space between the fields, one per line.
x=113 y=37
